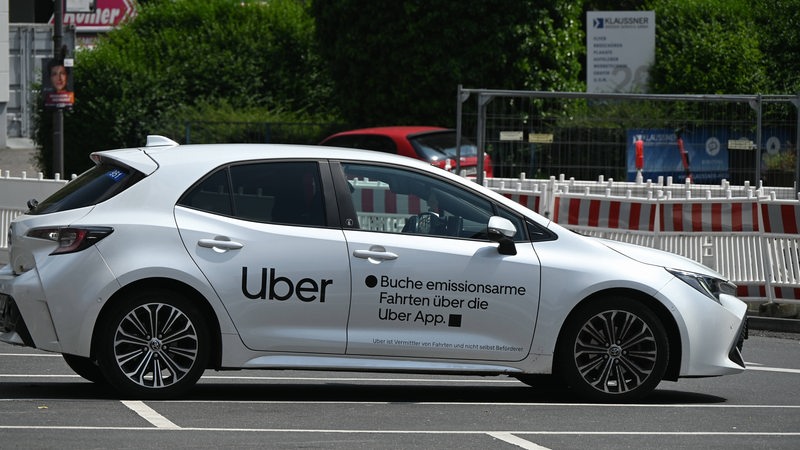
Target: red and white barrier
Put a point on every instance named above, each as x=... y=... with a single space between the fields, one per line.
x=716 y=216
x=625 y=214
x=752 y=240
x=781 y=217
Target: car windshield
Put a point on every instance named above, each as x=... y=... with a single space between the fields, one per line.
x=97 y=184
x=435 y=145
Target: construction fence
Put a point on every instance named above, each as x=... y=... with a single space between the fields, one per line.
x=746 y=233
x=705 y=138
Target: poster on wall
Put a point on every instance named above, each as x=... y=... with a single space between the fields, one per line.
x=57 y=83
x=699 y=154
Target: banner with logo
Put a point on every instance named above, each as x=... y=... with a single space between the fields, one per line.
x=698 y=153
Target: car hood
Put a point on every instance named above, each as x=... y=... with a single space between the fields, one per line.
x=661 y=258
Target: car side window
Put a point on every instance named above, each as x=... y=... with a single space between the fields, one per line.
x=212 y=194
x=393 y=200
x=275 y=192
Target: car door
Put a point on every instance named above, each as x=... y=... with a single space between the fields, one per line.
x=426 y=280
x=259 y=233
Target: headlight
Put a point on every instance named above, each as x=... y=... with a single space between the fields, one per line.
x=711 y=287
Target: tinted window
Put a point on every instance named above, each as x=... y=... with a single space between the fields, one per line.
x=278 y=192
x=212 y=194
x=97 y=184
x=441 y=143
x=365 y=142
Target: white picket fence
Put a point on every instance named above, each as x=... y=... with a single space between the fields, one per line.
x=744 y=232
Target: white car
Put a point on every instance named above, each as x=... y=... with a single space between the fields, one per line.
x=167 y=260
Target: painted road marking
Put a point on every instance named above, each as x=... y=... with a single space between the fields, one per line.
x=518 y=441
x=150 y=415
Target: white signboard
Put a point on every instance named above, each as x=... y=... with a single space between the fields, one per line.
x=620 y=47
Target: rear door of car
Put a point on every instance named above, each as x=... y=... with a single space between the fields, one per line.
x=266 y=238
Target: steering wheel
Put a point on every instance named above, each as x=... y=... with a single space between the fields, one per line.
x=425 y=223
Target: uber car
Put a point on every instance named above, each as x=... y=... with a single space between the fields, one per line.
x=435 y=145
x=167 y=260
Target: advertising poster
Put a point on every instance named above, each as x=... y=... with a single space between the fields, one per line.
x=57 y=83
x=699 y=153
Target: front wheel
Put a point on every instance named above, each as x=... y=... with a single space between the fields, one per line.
x=613 y=350
x=154 y=344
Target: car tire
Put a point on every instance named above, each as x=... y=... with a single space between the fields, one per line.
x=87 y=368
x=613 y=350
x=153 y=344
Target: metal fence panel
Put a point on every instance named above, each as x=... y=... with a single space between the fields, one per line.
x=705 y=138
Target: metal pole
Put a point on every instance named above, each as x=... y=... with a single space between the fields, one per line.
x=481 y=137
x=757 y=106
x=58 y=114
x=458 y=130
x=796 y=102
x=461 y=97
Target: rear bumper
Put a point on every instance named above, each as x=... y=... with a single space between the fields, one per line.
x=25 y=318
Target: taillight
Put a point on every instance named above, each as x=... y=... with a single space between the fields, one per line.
x=446 y=164
x=71 y=240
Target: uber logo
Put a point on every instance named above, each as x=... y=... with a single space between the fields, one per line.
x=282 y=288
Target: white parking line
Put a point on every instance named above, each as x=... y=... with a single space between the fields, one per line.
x=417 y=432
x=150 y=415
x=773 y=369
x=518 y=441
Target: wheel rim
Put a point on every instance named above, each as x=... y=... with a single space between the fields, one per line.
x=155 y=345
x=615 y=352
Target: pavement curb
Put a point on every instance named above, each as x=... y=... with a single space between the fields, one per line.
x=773 y=324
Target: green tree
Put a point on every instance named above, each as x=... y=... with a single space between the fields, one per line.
x=179 y=59
x=778 y=22
x=707 y=47
x=400 y=62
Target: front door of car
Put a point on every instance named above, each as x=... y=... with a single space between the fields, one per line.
x=258 y=233
x=427 y=282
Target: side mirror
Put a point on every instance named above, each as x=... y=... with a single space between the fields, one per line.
x=502 y=231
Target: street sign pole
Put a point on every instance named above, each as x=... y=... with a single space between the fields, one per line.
x=58 y=114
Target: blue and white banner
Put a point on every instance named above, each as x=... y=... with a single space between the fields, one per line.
x=700 y=153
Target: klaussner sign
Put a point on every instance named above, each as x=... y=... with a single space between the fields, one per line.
x=107 y=15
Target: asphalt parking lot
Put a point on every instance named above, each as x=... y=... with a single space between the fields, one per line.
x=44 y=405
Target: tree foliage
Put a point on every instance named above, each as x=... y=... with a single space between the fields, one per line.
x=181 y=57
x=400 y=62
x=707 y=47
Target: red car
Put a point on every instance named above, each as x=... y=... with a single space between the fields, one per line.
x=433 y=144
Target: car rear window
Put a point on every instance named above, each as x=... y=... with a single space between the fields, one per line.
x=97 y=184
x=439 y=143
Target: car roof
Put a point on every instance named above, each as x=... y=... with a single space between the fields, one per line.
x=394 y=131
x=213 y=155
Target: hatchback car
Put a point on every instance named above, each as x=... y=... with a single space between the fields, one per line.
x=432 y=144
x=163 y=261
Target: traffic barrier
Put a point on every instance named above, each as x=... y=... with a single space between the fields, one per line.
x=752 y=241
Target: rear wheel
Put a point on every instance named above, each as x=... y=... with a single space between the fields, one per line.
x=154 y=344
x=85 y=367
x=613 y=350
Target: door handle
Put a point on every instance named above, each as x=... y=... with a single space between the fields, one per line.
x=220 y=244
x=379 y=254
